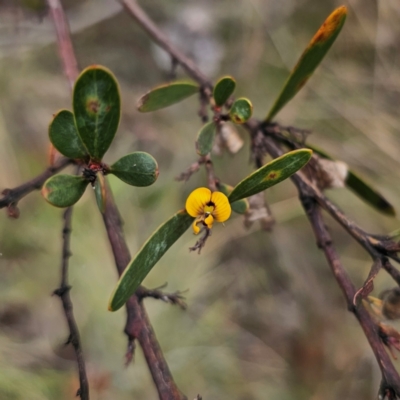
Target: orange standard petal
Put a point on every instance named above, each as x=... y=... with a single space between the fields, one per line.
x=197 y=200
x=222 y=210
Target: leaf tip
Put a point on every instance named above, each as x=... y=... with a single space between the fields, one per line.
x=142 y=101
x=331 y=25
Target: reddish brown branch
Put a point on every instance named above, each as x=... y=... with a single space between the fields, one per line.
x=391 y=270
x=211 y=178
x=390 y=376
x=312 y=198
x=67 y=54
x=64 y=293
x=12 y=196
x=185 y=176
x=138 y=325
x=155 y=33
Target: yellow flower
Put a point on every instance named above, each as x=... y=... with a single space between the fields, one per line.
x=207 y=206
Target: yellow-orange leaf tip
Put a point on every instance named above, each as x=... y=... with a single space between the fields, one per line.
x=329 y=27
x=207 y=206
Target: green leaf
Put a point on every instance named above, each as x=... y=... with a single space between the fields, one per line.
x=64 y=190
x=155 y=247
x=166 y=95
x=97 y=109
x=205 y=139
x=361 y=188
x=369 y=194
x=64 y=136
x=310 y=59
x=136 y=169
x=223 y=89
x=270 y=174
x=100 y=191
x=241 y=110
x=239 y=206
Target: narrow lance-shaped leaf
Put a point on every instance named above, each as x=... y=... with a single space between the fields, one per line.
x=362 y=189
x=64 y=190
x=64 y=136
x=223 y=89
x=166 y=95
x=241 y=111
x=205 y=139
x=310 y=59
x=100 y=191
x=270 y=174
x=155 y=247
x=369 y=194
x=136 y=169
x=97 y=109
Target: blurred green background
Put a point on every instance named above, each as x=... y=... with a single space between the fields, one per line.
x=265 y=318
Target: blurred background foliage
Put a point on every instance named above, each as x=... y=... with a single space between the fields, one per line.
x=265 y=318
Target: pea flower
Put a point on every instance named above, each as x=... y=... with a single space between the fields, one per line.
x=207 y=206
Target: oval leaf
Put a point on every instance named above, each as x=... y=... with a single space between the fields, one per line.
x=240 y=206
x=241 y=111
x=223 y=89
x=310 y=59
x=97 y=109
x=100 y=191
x=64 y=136
x=270 y=174
x=362 y=189
x=205 y=139
x=155 y=247
x=64 y=190
x=136 y=169
x=166 y=95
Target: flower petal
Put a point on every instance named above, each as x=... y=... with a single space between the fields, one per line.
x=195 y=228
x=222 y=209
x=197 y=200
x=209 y=221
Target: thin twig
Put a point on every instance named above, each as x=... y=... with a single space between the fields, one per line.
x=70 y=68
x=211 y=178
x=324 y=241
x=64 y=42
x=185 y=176
x=175 y=298
x=391 y=270
x=207 y=162
x=12 y=196
x=155 y=33
x=205 y=95
x=64 y=293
